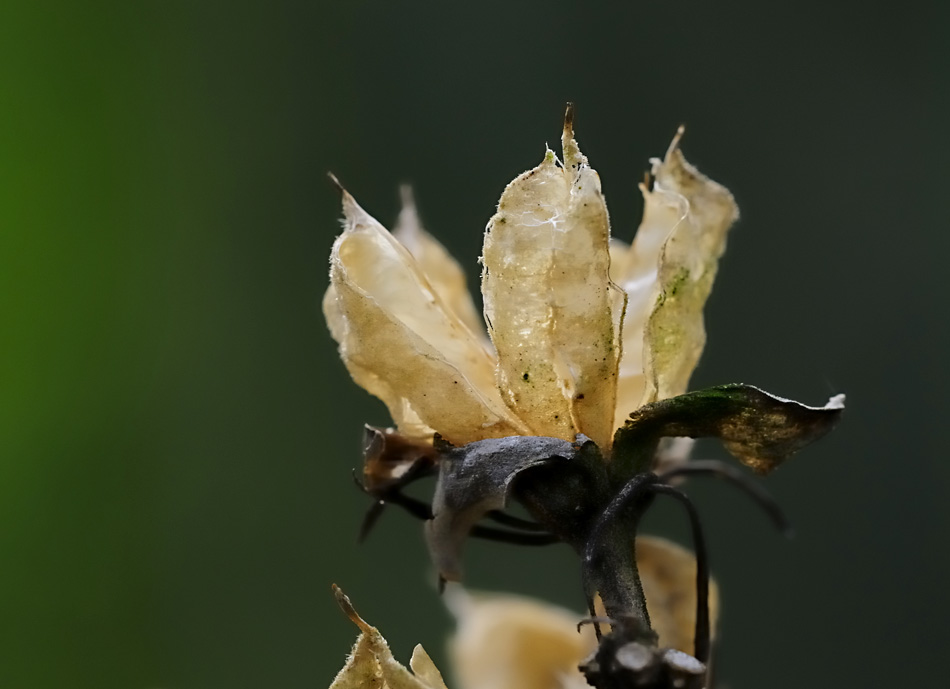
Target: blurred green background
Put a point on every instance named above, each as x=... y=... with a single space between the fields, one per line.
x=177 y=434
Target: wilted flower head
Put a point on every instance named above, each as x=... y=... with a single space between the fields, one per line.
x=584 y=330
x=563 y=407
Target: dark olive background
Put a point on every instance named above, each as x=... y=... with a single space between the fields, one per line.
x=177 y=433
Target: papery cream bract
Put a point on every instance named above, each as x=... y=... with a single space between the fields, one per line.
x=371 y=663
x=583 y=330
x=591 y=346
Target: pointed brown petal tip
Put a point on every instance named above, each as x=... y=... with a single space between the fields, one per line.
x=675 y=143
x=347 y=607
x=569 y=118
x=336 y=182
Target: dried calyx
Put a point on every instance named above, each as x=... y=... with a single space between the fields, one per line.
x=593 y=501
x=571 y=405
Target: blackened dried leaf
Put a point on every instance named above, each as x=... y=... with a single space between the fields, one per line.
x=474 y=480
x=761 y=430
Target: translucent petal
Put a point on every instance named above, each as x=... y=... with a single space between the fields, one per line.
x=511 y=642
x=548 y=299
x=667 y=275
x=675 y=335
x=619 y=255
x=402 y=413
x=636 y=275
x=402 y=344
x=423 y=668
x=441 y=270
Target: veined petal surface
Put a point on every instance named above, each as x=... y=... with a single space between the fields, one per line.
x=399 y=340
x=547 y=299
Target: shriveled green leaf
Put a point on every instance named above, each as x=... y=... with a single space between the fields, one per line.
x=474 y=480
x=761 y=430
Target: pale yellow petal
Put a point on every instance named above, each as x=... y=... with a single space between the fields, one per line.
x=402 y=413
x=399 y=340
x=548 y=300
x=636 y=275
x=395 y=675
x=441 y=270
x=371 y=664
x=511 y=642
x=667 y=275
x=587 y=326
x=423 y=668
x=668 y=574
x=674 y=335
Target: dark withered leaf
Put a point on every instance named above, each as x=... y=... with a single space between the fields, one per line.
x=474 y=480
x=760 y=429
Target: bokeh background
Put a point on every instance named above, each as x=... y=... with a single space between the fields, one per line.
x=177 y=434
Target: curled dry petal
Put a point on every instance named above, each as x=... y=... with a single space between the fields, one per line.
x=371 y=663
x=667 y=274
x=675 y=335
x=400 y=342
x=635 y=271
x=547 y=298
